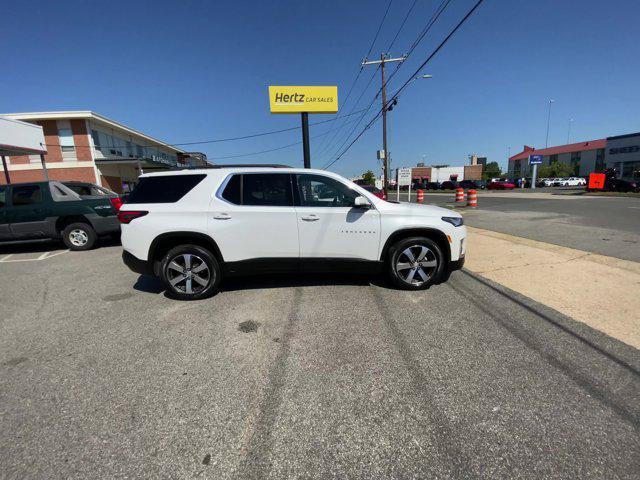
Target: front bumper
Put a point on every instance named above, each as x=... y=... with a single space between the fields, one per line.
x=143 y=267
x=456 y=264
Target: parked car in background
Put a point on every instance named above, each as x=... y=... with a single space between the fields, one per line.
x=449 y=185
x=191 y=228
x=39 y=210
x=573 y=182
x=620 y=185
x=432 y=186
x=482 y=184
x=375 y=190
x=466 y=184
x=85 y=189
x=500 y=185
x=542 y=182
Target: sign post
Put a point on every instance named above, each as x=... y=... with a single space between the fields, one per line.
x=534 y=161
x=303 y=100
x=404 y=180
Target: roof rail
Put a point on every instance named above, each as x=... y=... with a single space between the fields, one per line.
x=244 y=165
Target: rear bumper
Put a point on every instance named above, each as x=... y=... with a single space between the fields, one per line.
x=143 y=267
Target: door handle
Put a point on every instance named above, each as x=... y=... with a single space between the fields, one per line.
x=222 y=216
x=310 y=218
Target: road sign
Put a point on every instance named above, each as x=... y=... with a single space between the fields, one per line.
x=303 y=99
x=535 y=159
x=404 y=177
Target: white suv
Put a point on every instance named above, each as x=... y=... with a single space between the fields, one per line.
x=192 y=227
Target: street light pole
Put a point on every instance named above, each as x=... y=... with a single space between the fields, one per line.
x=569 y=130
x=546 y=143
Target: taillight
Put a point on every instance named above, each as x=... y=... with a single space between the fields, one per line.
x=116 y=202
x=128 y=216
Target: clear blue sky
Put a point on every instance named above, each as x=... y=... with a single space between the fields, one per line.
x=189 y=71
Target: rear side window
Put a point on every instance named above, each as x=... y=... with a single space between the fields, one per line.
x=3 y=196
x=269 y=189
x=259 y=189
x=26 y=195
x=163 y=189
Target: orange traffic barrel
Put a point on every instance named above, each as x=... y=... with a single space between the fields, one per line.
x=459 y=195
x=420 y=196
x=472 y=198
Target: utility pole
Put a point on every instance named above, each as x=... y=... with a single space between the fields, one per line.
x=384 y=59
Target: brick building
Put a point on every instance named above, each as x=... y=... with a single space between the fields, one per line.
x=441 y=174
x=89 y=147
x=582 y=157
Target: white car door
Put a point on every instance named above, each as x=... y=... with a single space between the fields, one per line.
x=253 y=218
x=328 y=224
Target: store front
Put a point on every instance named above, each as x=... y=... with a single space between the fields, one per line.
x=623 y=154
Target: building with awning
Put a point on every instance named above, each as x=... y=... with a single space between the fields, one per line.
x=85 y=146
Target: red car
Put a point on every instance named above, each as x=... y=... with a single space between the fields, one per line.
x=501 y=185
x=376 y=191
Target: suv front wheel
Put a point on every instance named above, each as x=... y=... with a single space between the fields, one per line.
x=190 y=272
x=415 y=263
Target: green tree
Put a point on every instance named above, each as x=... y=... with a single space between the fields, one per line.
x=369 y=177
x=491 y=170
x=555 y=169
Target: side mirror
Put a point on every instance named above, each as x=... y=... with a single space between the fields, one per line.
x=361 y=202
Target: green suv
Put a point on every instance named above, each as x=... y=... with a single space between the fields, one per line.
x=76 y=212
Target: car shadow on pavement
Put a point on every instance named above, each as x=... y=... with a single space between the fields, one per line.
x=155 y=286
x=301 y=280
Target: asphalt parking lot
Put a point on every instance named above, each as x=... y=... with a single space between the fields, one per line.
x=102 y=376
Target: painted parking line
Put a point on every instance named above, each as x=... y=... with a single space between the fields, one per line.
x=44 y=256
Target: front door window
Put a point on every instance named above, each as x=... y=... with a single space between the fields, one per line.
x=321 y=191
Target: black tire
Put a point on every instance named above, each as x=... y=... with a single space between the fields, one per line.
x=186 y=283
x=398 y=256
x=79 y=236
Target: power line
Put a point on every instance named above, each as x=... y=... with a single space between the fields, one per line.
x=373 y=42
x=443 y=5
x=271 y=149
x=331 y=143
x=402 y=25
x=395 y=96
x=218 y=140
x=434 y=18
x=379 y=27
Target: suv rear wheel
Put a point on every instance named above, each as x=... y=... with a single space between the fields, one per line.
x=190 y=272
x=79 y=236
x=415 y=263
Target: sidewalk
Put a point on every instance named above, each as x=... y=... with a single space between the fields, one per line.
x=595 y=289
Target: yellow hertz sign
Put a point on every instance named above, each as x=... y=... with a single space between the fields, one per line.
x=303 y=99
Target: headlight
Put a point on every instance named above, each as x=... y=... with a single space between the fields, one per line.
x=455 y=221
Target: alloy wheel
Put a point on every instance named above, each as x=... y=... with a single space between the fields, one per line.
x=416 y=264
x=188 y=273
x=78 y=238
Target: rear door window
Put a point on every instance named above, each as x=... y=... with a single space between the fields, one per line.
x=163 y=189
x=3 y=196
x=26 y=195
x=267 y=189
